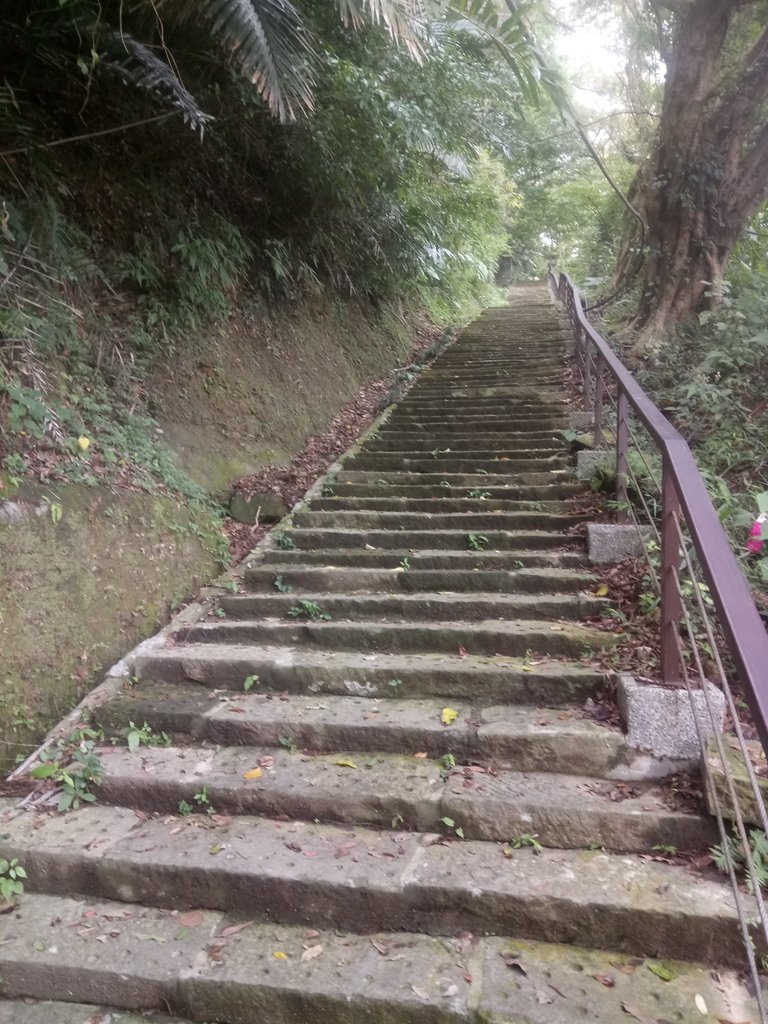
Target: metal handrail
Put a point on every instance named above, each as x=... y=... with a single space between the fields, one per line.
x=682 y=488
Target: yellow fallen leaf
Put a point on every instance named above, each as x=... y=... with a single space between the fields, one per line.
x=448 y=715
x=280 y=955
x=601 y=591
x=84 y=442
x=526 y=668
x=343 y=763
x=254 y=773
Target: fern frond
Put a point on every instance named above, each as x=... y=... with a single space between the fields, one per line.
x=137 y=65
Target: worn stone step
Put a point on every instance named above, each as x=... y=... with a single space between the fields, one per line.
x=290 y=873
x=289 y=669
x=508 y=492
x=469 y=520
x=462 y=481
x=497 y=540
x=524 y=739
x=349 y=579
x=543 y=392
x=453 y=464
x=512 y=639
x=424 y=558
x=467 y=438
x=405 y=422
x=46 y=1012
x=440 y=504
x=352 y=787
x=421 y=607
x=219 y=971
x=408 y=443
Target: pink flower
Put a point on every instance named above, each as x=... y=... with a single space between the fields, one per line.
x=755 y=542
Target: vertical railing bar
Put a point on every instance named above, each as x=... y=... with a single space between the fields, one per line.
x=598 y=435
x=671 y=609
x=588 y=401
x=622 y=460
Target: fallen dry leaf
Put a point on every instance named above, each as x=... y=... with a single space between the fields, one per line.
x=191 y=919
x=311 y=953
x=463 y=652
x=448 y=715
x=421 y=754
x=254 y=773
x=701 y=1006
x=637 y=1015
x=280 y=955
x=605 y=979
x=420 y=993
x=234 y=929
x=346 y=763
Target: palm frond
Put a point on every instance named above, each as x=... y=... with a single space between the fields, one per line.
x=266 y=40
x=137 y=65
x=405 y=20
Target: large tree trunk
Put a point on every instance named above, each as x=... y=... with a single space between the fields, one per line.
x=706 y=177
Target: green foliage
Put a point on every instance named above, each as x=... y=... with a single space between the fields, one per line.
x=135 y=736
x=477 y=541
x=279 y=584
x=758 y=844
x=12 y=876
x=526 y=839
x=73 y=765
x=306 y=609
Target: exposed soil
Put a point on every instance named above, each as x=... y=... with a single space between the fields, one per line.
x=291 y=481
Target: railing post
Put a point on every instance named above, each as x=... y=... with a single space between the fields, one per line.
x=622 y=466
x=598 y=401
x=671 y=607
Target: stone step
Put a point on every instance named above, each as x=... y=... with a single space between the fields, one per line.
x=544 y=392
x=462 y=481
x=511 y=639
x=286 y=669
x=46 y=1012
x=453 y=464
x=422 y=607
x=524 y=739
x=487 y=519
x=508 y=492
x=352 y=787
x=349 y=579
x=226 y=969
x=468 y=437
x=407 y=444
x=497 y=540
x=440 y=504
x=400 y=420
x=403 y=419
x=425 y=559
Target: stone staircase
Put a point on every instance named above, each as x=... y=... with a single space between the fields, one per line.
x=393 y=807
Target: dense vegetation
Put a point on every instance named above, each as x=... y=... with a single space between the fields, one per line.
x=167 y=206
x=160 y=170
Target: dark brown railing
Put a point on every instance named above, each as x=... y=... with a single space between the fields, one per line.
x=682 y=490
x=711 y=636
